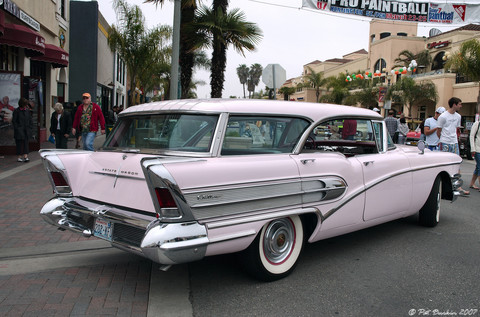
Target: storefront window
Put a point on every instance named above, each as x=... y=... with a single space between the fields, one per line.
x=8 y=58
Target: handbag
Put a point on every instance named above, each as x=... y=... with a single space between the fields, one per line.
x=51 y=139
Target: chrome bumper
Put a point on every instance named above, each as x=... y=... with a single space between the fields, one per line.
x=164 y=243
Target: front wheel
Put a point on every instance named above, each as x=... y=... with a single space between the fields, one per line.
x=429 y=215
x=274 y=252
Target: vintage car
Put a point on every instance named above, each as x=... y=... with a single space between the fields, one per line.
x=412 y=138
x=177 y=181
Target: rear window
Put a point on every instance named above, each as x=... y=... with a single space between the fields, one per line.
x=163 y=132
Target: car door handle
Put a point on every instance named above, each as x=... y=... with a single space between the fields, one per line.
x=307 y=160
x=368 y=163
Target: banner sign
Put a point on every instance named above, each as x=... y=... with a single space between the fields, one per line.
x=402 y=10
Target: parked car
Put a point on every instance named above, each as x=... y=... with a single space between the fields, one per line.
x=412 y=138
x=176 y=181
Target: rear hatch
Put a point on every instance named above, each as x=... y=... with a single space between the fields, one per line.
x=111 y=178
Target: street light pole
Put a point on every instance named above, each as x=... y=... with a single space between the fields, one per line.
x=174 y=71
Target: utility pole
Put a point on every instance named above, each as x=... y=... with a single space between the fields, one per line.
x=174 y=71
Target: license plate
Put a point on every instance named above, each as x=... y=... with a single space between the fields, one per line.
x=103 y=229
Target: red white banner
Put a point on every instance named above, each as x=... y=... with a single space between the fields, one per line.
x=460 y=12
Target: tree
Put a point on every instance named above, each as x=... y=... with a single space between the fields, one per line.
x=138 y=47
x=187 y=53
x=217 y=29
x=254 y=74
x=339 y=92
x=367 y=97
x=315 y=80
x=242 y=73
x=408 y=92
x=467 y=62
x=422 y=58
x=286 y=92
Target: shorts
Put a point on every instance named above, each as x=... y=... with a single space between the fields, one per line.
x=452 y=148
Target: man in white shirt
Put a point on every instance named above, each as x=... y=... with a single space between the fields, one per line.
x=430 y=129
x=447 y=125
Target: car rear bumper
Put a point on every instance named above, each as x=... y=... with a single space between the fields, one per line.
x=164 y=243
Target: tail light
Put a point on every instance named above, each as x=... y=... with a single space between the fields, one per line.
x=58 y=179
x=168 y=206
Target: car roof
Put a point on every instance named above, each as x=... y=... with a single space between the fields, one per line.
x=314 y=111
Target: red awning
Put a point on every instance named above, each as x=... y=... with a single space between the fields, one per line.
x=21 y=36
x=2 y=22
x=54 y=55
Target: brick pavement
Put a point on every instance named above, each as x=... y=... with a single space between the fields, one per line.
x=120 y=289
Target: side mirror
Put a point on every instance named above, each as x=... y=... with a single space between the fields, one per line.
x=421 y=147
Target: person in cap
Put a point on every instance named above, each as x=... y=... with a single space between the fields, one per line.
x=430 y=130
x=376 y=109
x=88 y=118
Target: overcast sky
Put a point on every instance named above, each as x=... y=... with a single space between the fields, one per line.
x=292 y=36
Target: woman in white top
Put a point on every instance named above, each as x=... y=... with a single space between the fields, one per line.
x=403 y=130
x=475 y=149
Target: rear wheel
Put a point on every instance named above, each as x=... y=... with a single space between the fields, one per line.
x=429 y=215
x=274 y=252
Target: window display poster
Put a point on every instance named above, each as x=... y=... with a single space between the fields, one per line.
x=10 y=93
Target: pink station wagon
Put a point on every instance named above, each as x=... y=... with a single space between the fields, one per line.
x=176 y=181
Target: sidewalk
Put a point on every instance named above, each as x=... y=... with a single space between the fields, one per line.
x=48 y=272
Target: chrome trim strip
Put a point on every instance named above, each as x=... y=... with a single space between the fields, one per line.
x=234 y=236
x=261 y=217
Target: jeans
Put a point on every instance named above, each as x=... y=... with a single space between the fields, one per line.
x=87 y=138
x=452 y=148
x=477 y=167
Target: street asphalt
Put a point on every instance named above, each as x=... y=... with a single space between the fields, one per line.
x=47 y=272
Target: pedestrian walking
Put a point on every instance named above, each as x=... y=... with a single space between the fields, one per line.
x=402 y=131
x=88 y=117
x=60 y=126
x=392 y=124
x=475 y=150
x=448 y=124
x=22 y=129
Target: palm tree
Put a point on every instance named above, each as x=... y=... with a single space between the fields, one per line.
x=242 y=73
x=286 y=92
x=408 y=92
x=315 y=80
x=138 y=47
x=467 y=62
x=217 y=30
x=254 y=74
x=339 y=93
x=422 y=58
x=367 y=97
x=187 y=54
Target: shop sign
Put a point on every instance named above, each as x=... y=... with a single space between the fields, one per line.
x=438 y=44
x=29 y=21
x=13 y=9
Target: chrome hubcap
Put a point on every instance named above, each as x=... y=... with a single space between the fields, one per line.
x=278 y=240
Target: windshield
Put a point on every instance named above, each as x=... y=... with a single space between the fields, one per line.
x=163 y=132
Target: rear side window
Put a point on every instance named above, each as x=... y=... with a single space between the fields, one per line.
x=246 y=135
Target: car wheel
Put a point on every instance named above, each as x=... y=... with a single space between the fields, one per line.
x=429 y=215
x=274 y=252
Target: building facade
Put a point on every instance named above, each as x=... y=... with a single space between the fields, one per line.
x=34 y=60
x=94 y=67
x=387 y=39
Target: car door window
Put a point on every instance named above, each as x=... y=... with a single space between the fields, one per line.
x=349 y=136
x=247 y=135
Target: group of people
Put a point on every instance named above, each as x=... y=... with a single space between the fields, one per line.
x=87 y=120
x=397 y=128
x=441 y=134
